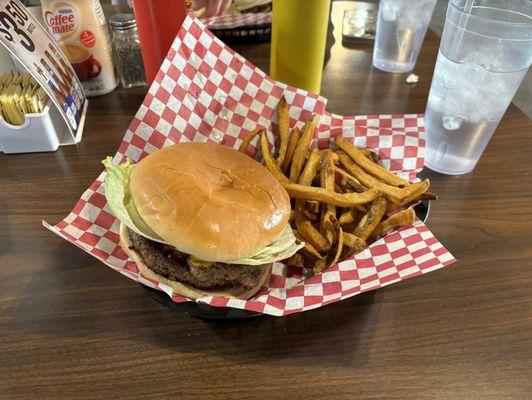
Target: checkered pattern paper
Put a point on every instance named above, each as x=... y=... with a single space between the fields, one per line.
x=231 y=21
x=396 y=138
x=206 y=92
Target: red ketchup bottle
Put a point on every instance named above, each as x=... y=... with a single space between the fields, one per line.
x=158 y=22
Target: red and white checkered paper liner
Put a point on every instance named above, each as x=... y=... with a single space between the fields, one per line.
x=232 y=21
x=396 y=138
x=206 y=92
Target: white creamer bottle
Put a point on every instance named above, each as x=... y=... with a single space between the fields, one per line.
x=80 y=28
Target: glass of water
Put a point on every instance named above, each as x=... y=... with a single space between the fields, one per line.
x=485 y=52
x=401 y=28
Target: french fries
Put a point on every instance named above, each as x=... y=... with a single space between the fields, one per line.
x=268 y=160
x=319 y=266
x=309 y=250
x=310 y=215
x=397 y=220
x=369 y=154
x=292 y=143
x=368 y=165
x=311 y=209
x=311 y=168
x=414 y=191
x=247 y=140
x=394 y=194
x=352 y=245
x=300 y=153
x=327 y=182
x=427 y=196
x=284 y=129
x=306 y=178
x=369 y=222
x=312 y=206
x=342 y=199
x=347 y=182
x=313 y=236
x=297 y=260
x=297 y=191
x=348 y=216
x=353 y=242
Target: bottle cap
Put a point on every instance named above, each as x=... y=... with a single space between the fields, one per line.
x=123 y=21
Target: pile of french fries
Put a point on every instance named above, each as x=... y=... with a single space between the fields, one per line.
x=342 y=199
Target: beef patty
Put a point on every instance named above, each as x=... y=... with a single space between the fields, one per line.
x=168 y=262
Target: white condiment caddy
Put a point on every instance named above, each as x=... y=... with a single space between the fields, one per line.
x=62 y=119
x=44 y=131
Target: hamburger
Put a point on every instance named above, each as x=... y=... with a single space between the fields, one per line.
x=201 y=218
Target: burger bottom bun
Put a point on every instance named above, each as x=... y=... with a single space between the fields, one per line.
x=184 y=289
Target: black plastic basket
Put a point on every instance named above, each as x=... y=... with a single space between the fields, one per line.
x=206 y=311
x=245 y=34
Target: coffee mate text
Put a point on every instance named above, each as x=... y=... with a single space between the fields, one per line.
x=62 y=22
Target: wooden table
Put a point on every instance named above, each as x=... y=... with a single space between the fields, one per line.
x=72 y=328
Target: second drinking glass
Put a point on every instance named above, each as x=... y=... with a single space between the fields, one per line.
x=401 y=28
x=485 y=52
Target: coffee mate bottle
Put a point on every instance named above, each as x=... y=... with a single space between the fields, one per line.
x=80 y=28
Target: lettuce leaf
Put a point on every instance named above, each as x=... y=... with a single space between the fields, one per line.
x=121 y=203
x=284 y=247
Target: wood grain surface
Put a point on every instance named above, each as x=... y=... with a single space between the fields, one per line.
x=71 y=328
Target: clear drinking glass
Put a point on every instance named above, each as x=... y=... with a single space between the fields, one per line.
x=401 y=28
x=485 y=52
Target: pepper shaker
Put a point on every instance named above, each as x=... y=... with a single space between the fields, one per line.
x=126 y=47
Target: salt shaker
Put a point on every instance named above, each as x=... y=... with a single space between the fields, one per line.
x=126 y=47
